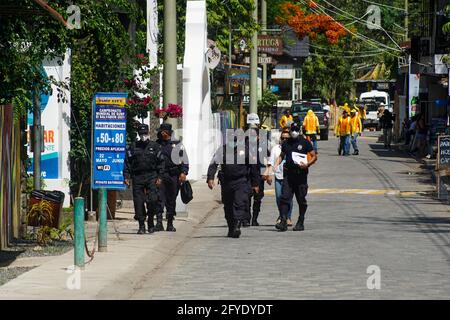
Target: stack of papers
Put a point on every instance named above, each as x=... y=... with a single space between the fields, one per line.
x=299 y=158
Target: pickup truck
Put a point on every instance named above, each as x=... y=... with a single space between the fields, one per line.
x=300 y=109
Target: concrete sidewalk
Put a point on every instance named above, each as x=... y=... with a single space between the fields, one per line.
x=117 y=273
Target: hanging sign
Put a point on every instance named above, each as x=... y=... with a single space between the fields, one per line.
x=212 y=55
x=109 y=140
x=270 y=44
x=443 y=155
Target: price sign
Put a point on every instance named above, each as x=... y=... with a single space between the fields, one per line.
x=109 y=123
x=443 y=156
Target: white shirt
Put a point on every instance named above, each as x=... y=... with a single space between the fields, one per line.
x=274 y=154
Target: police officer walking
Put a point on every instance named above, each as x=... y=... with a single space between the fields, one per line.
x=299 y=155
x=257 y=156
x=144 y=166
x=177 y=169
x=238 y=178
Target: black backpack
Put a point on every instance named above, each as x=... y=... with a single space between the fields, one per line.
x=186 y=192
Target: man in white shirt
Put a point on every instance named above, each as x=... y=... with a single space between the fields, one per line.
x=274 y=154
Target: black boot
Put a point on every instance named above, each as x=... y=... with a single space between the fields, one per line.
x=159 y=225
x=150 y=224
x=236 y=233
x=299 y=226
x=230 y=224
x=141 y=227
x=255 y=219
x=245 y=223
x=170 y=226
x=282 y=225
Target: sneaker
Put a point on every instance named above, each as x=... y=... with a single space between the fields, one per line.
x=289 y=222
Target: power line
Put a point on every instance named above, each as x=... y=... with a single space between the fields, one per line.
x=371 y=42
x=362 y=52
x=385 y=5
x=350 y=15
x=345 y=57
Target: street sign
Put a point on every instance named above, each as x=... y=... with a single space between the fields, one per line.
x=264 y=60
x=109 y=140
x=212 y=55
x=270 y=44
x=252 y=118
x=261 y=60
x=443 y=155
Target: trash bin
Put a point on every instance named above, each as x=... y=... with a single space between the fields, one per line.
x=55 y=201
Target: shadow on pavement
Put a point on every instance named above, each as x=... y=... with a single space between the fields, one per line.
x=7 y=257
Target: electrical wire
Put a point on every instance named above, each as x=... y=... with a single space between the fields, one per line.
x=385 y=5
x=364 y=23
x=369 y=41
x=362 y=52
x=345 y=57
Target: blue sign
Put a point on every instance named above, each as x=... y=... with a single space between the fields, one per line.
x=109 y=123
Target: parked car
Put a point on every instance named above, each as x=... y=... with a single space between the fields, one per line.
x=299 y=110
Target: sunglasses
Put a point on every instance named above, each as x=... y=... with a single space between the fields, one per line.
x=284 y=138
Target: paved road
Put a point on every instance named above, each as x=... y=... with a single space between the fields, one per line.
x=384 y=217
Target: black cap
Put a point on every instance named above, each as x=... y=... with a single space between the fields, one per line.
x=295 y=127
x=165 y=127
x=142 y=129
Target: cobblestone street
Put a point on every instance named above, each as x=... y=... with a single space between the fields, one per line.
x=403 y=231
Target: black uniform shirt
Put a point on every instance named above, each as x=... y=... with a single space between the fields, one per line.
x=144 y=158
x=239 y=168
x=300 y=145
x=178 y=165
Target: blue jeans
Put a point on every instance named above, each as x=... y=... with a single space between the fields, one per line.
x=278 y=191
x=355 y=141
x=344 y=144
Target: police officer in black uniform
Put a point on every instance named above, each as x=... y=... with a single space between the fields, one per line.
x=295 y=175
x=177 y=168
x=257 y=155
x=144 y=165
x=238 y=178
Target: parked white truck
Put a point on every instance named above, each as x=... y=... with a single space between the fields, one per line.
x=372 y=101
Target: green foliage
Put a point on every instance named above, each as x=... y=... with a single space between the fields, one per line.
x=240 y=13
x=265 y=105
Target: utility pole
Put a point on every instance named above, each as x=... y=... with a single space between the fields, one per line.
x=254 y=66
x=170 y=57
x=264 y=28
x=229 y=58
x=406 y=20
x=37 y=143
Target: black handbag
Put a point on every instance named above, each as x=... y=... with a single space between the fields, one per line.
x=186 y=192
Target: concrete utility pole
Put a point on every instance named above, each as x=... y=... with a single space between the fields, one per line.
x=406 y=20
x=264 y=28
x=254 y=67
x=170 y=56
x=37 y=143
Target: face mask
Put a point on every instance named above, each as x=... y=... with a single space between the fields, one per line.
x=144 y=137
x=295 y=134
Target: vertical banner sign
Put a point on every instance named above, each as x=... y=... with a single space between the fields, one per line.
x=109 y=140
x=152 y=32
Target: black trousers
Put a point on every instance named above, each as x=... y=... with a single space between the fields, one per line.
x=292 y=186
x=235 y=198
x=168 y=193
x=145 y=193
x=257 y=199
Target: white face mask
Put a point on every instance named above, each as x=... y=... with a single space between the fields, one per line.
x=295 y=134
x=144 y=137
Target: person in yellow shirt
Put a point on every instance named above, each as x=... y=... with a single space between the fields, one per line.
x=362 y=115
x=311 y=128
x=343 y=131
x=356 y=129
x=286 y=119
